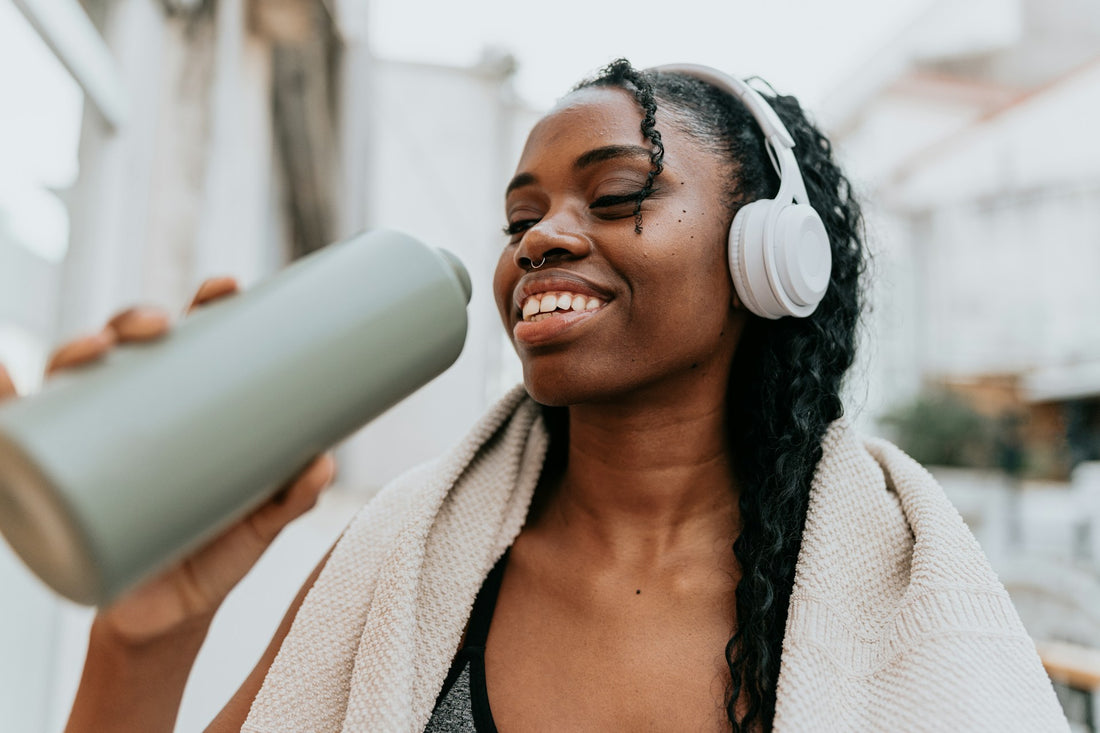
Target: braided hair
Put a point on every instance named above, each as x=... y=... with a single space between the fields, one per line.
x=785 y=381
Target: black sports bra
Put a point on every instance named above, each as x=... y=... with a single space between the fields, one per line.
x=463 y=703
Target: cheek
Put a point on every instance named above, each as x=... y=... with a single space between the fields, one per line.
x=695 y=271
x=687 y=316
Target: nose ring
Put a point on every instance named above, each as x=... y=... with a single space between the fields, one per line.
x=540 y=264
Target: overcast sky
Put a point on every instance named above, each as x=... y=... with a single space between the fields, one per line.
x=803 y=47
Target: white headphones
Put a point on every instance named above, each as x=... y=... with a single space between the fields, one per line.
x=779 y=252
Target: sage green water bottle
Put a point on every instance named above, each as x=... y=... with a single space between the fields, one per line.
x=119 y=468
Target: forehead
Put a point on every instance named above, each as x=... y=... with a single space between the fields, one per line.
x=596 y=115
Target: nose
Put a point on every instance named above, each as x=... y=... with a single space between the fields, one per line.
x=552 y=238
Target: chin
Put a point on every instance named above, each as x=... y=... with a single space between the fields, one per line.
x=551 y=394
x=557 y=388
x=572 y=385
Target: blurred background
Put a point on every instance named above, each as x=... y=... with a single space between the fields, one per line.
x=146 y=145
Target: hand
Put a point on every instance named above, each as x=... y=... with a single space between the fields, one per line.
x=187 y=595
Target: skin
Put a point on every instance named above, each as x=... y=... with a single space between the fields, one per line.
x=618 y=598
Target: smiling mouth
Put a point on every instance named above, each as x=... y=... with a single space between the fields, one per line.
x=545 y=305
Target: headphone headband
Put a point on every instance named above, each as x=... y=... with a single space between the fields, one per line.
x=775 y=132
x=769 y=121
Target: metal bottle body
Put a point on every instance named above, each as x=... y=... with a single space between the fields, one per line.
x=131 y=463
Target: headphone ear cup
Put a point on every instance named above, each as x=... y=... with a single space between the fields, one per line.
x=746 y=260
x=737 y=229
x=800 y=259
x=787 y=273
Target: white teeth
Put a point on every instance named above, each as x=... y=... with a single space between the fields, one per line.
x=539 y=307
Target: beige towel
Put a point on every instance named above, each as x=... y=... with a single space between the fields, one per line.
x=897 y=622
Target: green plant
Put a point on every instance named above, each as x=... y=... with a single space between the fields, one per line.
x=940 y=428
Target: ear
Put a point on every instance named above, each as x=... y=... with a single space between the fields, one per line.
x=735 y=302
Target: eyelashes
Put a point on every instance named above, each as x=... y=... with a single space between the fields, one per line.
x=518 y=227
x=604 y=202
x=632 y=199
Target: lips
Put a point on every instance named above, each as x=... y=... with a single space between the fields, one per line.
x=548 y=304
x=557 y=283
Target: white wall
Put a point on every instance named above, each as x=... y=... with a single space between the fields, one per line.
x=1011 y=286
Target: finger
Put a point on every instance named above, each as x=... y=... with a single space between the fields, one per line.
x=7 y=386
x=81 y=351
x=302 y=491
x=139 y=324
x=297 y=497
x=322 y=468
x=212 y=289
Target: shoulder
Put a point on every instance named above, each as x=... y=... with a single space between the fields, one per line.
x=875 y=473
x=895 y=604
x=880 y=526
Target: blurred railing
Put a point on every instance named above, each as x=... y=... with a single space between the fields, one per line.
x=1075 y=672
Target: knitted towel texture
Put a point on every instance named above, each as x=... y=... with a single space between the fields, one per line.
x=897 y=622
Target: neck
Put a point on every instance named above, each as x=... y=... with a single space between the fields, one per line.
x=648 y=479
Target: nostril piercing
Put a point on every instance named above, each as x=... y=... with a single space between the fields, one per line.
x=540 y=264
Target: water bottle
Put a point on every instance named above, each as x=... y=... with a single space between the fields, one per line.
x=119 y=468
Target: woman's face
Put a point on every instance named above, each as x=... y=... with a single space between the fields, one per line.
x=617 y=312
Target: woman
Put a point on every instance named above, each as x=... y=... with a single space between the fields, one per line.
x=685 y=456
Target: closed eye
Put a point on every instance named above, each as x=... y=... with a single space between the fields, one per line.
x=519 y=226
x=604 y=202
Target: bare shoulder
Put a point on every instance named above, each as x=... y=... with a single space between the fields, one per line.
x=233 y=715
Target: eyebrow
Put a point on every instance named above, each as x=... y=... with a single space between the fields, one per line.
x=521 y=179
x=590 y=158
x=608 y=152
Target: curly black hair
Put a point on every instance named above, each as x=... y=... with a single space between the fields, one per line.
x=785 y=381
